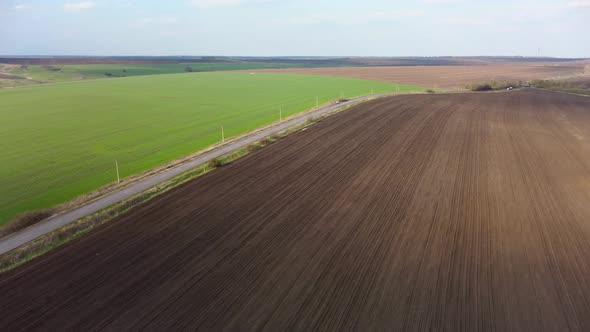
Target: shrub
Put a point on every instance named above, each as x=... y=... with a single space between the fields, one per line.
x=25 y=220
x=481 y=87
x=430 y=91
x=188 y=69
x=253 y=147
x=493 y=85
x=214 y=163
x=312 y=120
x=51 y=68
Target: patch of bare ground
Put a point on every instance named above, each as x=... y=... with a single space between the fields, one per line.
x=425 y=212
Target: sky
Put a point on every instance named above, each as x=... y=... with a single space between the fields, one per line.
x=557 y=28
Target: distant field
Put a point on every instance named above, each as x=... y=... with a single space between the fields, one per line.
x=35 y=74
x=59 y=141
x=440 y=71
x=448 y=76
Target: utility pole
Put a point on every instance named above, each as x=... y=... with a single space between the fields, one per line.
x=222 y=135
x=117 y=168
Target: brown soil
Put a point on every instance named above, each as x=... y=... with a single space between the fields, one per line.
x=446 y=76
x=425 y=212
x=456 y=61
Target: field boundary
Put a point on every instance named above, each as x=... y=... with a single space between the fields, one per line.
x=120 y=195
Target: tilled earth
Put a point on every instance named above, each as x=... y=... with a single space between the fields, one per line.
x=447 y=76
x=426 y=212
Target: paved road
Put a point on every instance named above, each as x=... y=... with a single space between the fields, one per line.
x=29 y=234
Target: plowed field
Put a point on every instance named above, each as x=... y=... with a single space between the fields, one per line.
x=427 y=212
x=447 y=76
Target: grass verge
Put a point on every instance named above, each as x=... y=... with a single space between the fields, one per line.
x=562 y=86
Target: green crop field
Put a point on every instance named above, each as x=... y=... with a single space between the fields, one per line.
x=59 y=141
x=36 y=74
x=60 y=73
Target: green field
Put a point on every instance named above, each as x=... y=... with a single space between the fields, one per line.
x=36 y=74
x=59 y=141
x=59 y=73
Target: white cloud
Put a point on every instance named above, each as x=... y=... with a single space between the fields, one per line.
x=222 y=3
x=79 y=5
x=21 y=7
x=578 y=4
x=348 y=20
x=530 y=12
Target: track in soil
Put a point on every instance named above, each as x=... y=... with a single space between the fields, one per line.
x=457 y=212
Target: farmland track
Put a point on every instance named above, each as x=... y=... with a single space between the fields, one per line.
x=427 y=212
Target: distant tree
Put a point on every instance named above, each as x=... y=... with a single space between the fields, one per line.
x=481 y=87
x=188 y=69
x=108 y=74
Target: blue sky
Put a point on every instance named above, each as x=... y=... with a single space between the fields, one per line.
x=295 y=27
